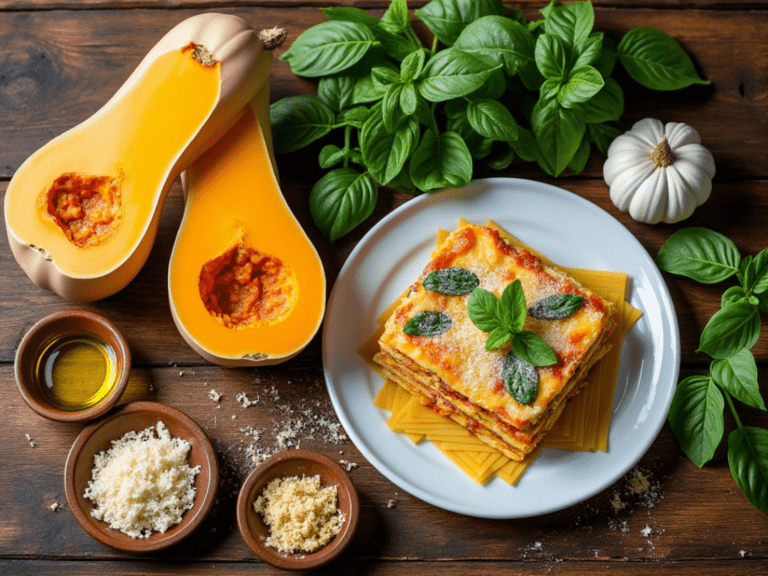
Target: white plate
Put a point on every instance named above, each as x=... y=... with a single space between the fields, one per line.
x=571 y=231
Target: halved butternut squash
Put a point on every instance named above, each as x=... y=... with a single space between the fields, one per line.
x=82 y=212
x=245 y=283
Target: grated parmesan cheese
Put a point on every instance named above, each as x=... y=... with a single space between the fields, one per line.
x=143 y=482
x=300 y=512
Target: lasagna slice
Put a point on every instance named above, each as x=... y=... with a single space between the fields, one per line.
x=453 y=373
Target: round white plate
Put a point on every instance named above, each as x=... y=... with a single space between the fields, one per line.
x=571 y=231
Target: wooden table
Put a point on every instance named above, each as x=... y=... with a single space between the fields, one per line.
x=60 y=62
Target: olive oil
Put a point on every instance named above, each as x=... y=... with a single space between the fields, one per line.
x=76 y=371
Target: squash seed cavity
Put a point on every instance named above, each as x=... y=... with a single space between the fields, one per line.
x=244 y=288
x=88 y=209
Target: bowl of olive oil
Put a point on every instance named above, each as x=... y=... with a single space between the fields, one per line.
x=72 y=366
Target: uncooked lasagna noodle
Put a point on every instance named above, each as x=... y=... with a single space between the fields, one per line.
x=453 y=374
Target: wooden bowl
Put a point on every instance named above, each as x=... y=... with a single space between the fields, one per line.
x=63 y=324
x=296 y=463
x=98 y=436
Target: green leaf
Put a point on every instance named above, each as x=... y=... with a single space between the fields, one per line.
x=555 y=306
x=298 y=121
x=411 y=66
x=452 y=281
x=409 y=99
x=605 y=106
x=588 y=52
x=731 y=329
x=336 y=91
x=737 y=375
x=699 y=253
x=579 y=160
x=501 y=156
x=582 y=84
x=395 y=18
x=479 y=146
x=383 y=77
x=447 y=18
x=498 y=40
x=353 y=116
x=531 y=348
x=429 y=323
x=731 y=295
x=351 y=14
x=513 y=308
x=331 y=155
x=606 y=61
x=483 y=308
x=441 y=161
x=395 y=45
x=390 y=109
x=748 y=460
x=341 y=200
x=550 y=57
x=328 y=48
x=656 y=60
x=366 y=90
x=492 y=119
x=521 y=378
x=572 y=23
x=696 y=417
x=756 y=273
x=558 y=132
x=452 y=73
x=385 y=152
x=497 y=338
x=602 y=135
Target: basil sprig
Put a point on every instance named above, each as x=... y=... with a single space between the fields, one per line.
x=696 y=415
x=556 y=306
x=418 y=119
x=452 y=281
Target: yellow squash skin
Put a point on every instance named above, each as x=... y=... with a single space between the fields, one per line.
x=233 y=197
x=169 y=111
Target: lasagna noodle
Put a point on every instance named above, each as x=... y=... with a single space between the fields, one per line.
x=575 y=430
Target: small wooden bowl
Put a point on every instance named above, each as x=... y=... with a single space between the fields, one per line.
x=61 y=324
x=98 y=436
x=296 y=463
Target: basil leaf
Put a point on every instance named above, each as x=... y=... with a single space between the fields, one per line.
x=336 y=91
x=408 y=99
x=492 y=88
x=452 y=281
x=498 y=40
x=385 y=152
x=602 y=135
x=606 y=61
x=483 y=309
x=341 y=200
x=579 y=160
x=513 y=307
x=731 y=295
x=550 y=57
x=501 y=156
x=699 y=253
x=330 y=155
x=351 y=14
x=492 y=119
x=411 y=66
x=756 y=273
x=558 y=132
x=328 y=48
x=497 y=338
x=656 y=60
x=395 y=18
x=366 y=90
x=441 y=161
x=396 y=46
x=605 y=106
x=298 y=121
x=762 y=300
x=390 y=109
x=479 y=146
x=429 y=323
x=521 y=378
x=696 y=417
x=572 y=23
x=447 y=18
x=588 y=52
x=354 y=116
x=748 y=461
x=737 y=375
x=383 y=77
x=452 y=73
x=582 y=84
x=731 y=329
x=556 y=306
x=531 y=348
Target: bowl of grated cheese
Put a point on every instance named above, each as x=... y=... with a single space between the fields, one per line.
x=142 y=478
x=297 y=510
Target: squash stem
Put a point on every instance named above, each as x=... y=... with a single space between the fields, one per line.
x=272 y=38
x=662 y=154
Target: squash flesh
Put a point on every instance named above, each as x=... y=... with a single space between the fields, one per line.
x=235 y=203
x=138 y=141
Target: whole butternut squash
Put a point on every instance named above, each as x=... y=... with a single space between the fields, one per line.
x=82 y=212
x=245 y=283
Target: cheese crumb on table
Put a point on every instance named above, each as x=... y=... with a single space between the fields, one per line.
x=302 y=514
x=143 y=482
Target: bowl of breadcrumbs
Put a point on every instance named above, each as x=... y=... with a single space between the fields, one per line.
x=297 y=510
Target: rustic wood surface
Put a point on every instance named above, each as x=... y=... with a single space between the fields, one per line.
x=61 y=61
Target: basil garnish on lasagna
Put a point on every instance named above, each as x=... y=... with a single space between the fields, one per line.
x=507 y=404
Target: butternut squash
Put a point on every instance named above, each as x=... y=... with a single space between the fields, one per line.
x=82 y=212
x=245 y=283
